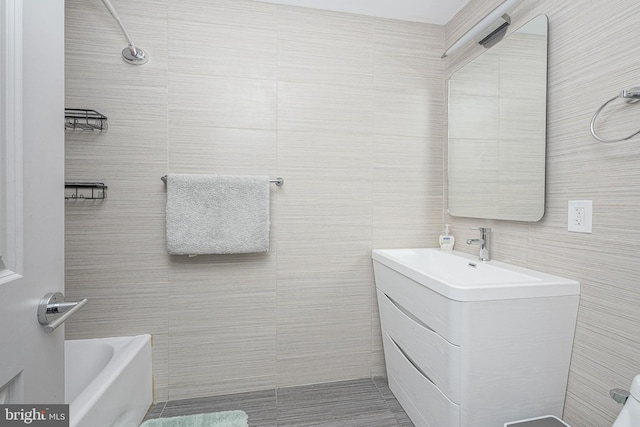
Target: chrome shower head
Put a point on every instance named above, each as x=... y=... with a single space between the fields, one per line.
x=130 y=54
x=134 y=55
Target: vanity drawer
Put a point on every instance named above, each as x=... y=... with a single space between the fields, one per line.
x=425 y=404
x=438 y=359
x=439 y=313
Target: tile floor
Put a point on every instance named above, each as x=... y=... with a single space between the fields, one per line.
x=357 y=403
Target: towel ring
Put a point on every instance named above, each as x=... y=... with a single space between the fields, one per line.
x=631 y=96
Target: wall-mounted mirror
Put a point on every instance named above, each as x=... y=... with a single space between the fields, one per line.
x=497 y=129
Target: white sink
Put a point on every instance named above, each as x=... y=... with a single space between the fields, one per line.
x=463 y=277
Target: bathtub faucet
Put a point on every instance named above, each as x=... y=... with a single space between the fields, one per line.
x=483 y=241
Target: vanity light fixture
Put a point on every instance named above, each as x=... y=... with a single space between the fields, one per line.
x=487 y=28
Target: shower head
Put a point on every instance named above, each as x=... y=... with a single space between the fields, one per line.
x=134 y=55
x=130 y=54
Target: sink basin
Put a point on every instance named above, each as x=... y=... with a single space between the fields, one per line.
x=463 y=277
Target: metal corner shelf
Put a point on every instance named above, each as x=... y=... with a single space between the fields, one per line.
x=77 y=118
x=85 y=191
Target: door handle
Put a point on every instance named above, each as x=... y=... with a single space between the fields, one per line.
x=53 y=305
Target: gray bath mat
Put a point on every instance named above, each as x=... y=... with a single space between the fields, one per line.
x=214 y=419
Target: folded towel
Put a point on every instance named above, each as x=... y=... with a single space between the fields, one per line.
x=217 y=214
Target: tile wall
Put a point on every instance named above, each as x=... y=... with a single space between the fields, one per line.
x=593 y=53
x=347 y=109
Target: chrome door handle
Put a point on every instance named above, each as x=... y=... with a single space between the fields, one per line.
x=53 y=305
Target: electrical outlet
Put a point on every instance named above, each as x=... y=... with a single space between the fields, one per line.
x=579 y=216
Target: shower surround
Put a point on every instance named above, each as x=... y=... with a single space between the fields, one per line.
x=347 y=109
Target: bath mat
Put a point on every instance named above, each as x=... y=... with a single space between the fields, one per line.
x=214 y=419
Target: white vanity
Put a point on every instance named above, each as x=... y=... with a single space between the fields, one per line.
x=473 y=344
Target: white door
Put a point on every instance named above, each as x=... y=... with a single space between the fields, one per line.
x=31 y=197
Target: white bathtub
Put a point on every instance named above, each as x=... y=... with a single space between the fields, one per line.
x=108 y=381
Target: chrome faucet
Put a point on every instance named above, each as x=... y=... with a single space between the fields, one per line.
x=483 y=241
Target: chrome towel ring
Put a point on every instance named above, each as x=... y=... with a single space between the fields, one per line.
x=631 y=96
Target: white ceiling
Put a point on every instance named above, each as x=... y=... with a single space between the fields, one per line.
x=430 y=11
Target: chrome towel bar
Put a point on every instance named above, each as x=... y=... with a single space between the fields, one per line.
x=278 y=181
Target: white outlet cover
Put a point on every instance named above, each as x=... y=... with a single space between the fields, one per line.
x=572 y=223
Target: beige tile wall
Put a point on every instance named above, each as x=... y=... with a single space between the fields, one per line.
x=348 y=109
x=593 y=50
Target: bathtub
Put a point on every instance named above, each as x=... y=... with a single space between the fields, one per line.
x=108 y=381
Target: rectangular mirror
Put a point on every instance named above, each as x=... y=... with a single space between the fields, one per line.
x=497 y=129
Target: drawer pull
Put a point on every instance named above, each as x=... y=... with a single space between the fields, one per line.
x=409 y=315
x=417 y=368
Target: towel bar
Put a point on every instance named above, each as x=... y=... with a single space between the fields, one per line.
x=278 y=181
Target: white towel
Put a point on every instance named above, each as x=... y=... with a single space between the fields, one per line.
x=217 y=214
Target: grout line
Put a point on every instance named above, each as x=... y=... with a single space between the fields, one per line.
x=275 y=390
x=162 y=410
